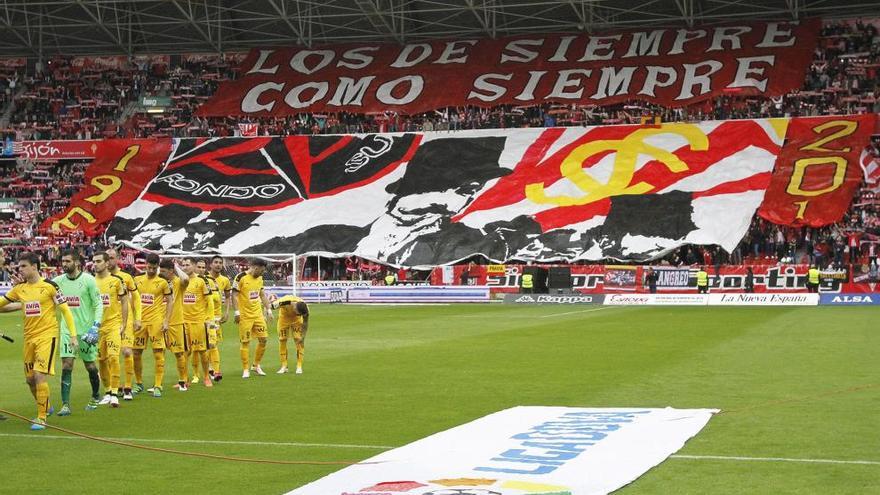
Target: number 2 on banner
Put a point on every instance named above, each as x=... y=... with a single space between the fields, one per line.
x=847 y=127
x=795 y=183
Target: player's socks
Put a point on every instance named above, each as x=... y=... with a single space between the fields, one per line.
x=244 y=352
x=159 y=357
x=300 y=354
x=181 y=367
x=42 y=400
x=215 y=359
x=282 y=351
x=66 y=381
x=138 y=362
x=195 y=365
x=129 y=371
x=104 y=371
x=261 y=350
x=95 y=381
x=113 y=367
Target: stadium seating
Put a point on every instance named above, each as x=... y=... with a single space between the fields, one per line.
x=65 y=102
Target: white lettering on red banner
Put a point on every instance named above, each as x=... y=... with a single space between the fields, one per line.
x=671 y=67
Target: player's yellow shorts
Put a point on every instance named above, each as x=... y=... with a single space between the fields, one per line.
x=175 y=339
x=109 y=344
x=149 y=332
x=127 y=339
x=290 y=330
x=248 y=329
x=197 y=335
x=212 y=333
x=39 y=355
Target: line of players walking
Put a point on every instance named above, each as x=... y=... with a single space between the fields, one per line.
x=178 y=307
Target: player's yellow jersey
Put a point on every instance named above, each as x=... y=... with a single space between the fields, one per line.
x=135 y=301
x=111 y=288
x=177 y=290
x=195 y=300
x=250 y=306
x=223 y=286
x=215 y=296
x=286 y=311
x=153 y=291
x=38 y=301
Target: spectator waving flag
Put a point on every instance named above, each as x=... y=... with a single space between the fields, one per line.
x=248 y=130
x=871 y=168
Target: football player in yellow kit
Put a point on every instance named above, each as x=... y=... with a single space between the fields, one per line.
x=39 y=299
x=157 y=301
x=251 y=312
x=175 y=337
x=293 y=321
x=198 y=306
x=115 y=300
x=134 y=321
x=221 y=316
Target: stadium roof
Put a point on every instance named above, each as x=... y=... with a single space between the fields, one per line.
x=103 y=27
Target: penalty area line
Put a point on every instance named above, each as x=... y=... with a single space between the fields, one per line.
x=771 y=459
x=205 y=442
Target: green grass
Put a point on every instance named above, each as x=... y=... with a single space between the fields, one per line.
x=386 y=376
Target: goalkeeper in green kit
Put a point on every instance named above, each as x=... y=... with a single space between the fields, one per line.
x=84 y=300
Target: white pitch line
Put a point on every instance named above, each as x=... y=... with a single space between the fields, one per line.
x=773 y=459
x=210 y=442
x=387 y=447
x=575 y=312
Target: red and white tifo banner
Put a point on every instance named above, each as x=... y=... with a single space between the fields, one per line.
x=605 y=279
x=56 y=150
x=525 y=451
x=425 y=199
x=669 y=67
x=120 y=171
x=818 y=171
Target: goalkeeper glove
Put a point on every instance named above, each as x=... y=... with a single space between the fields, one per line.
x=91 y=337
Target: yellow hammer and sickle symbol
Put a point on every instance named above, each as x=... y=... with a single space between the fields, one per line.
x=627 y=151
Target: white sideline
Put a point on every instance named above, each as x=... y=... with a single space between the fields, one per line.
x=772 y=459
x=211 y=442
x=387 y=447
x=575 y=312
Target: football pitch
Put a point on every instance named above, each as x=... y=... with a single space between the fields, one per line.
x=799 y=389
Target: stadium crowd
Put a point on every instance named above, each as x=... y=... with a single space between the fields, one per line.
x=63 y=101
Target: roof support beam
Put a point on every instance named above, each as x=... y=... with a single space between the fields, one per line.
x=686 y=7
x=297 y=30
x=380 y=21
x=99 y=22
x=190 y=17
x=485 y=15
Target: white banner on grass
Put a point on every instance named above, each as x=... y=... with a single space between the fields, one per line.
x=525 y=450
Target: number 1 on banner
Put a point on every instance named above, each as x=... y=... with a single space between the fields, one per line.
x=130 y=153
x=802 y=208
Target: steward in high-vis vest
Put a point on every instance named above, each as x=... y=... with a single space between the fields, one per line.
x=390 y=279
x=528 y=283
x=813 y=279
x=702 y=281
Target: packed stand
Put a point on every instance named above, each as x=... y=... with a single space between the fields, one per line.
x=30 y=193
x=76 y=99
